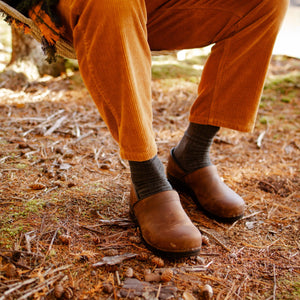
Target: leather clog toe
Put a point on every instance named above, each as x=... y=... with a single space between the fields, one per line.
x=164 y=225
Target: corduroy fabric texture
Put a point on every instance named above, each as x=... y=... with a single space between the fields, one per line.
x=113 y=39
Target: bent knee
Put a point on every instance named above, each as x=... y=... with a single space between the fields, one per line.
x=277 y=8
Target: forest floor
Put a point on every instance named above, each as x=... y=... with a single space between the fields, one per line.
x=65 y=230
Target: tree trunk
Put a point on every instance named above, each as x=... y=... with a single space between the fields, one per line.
x=28 y=55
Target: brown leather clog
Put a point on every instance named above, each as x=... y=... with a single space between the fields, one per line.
x=207 y=190
x=164 y=225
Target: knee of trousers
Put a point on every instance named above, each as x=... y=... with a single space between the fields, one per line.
x=276 y=9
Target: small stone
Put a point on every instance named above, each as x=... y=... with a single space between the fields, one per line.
x=207 y=292
x=129 y=272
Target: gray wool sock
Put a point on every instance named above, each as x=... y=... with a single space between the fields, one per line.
x=192 y=152
x=148 y=177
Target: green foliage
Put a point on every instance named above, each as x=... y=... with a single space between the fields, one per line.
x=264 y=120
x=169 y=67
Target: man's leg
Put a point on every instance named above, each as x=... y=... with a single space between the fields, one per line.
x=110 y=39
x=244 y=33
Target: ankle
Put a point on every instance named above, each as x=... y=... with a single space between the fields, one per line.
x=192 y=152
x=148 y=177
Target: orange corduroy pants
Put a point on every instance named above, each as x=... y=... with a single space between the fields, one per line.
x=113 y=40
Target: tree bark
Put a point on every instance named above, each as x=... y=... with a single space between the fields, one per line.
x=27 y=49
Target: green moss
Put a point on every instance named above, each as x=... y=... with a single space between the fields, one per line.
x=285 y=99
x=21 y=166
x=34 y=205
x=263 y=120
x=291 y=288
x=174 y=71
x=168 y=66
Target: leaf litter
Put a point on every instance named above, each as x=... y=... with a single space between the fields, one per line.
x=64 y=199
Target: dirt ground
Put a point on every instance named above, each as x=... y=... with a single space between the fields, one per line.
x=65 y=231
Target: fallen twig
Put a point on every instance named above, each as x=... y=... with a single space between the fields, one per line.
x=275 y=284
x=28 y=239
x=260 y=138
x=198 y=268
x=17 y=286
x=243 y=218
x=15 y=263
x=124 y=222
x=215 y=238
x=41 y=286
x=90 y=132
x=113 y=260
x=55 y=126
x=45 y=122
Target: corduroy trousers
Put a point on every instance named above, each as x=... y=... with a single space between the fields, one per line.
x=113 y=40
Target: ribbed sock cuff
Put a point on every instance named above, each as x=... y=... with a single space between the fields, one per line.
x=192 y=152
x=148 y=177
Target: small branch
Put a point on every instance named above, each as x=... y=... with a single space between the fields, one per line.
x=40 y=286
x=45 y=122
x=260 y=138
x=51 y=244
x=28 y=239
x=215 y=238
x=118 y=278
x=122 y=162
x=83 y=136
x=275 y=285
x=15 y=263
x=56 y=125
x=243 y=218
x=17 y=286
x=158 y=291
x=198 y=269
x=25 y=253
